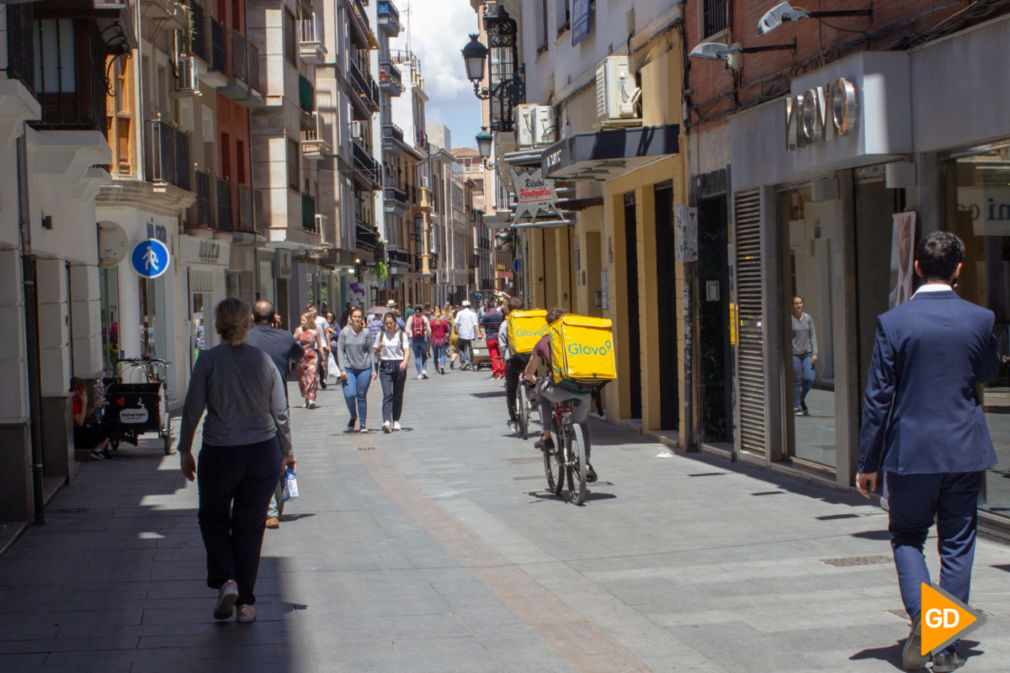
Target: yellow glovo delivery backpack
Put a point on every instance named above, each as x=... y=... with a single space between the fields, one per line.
x=525 y=329
x=582 y=350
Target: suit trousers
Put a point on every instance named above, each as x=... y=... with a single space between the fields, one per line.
x=235 y=484
x=915 y=501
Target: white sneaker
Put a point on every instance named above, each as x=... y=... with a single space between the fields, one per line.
x=363 y=428
x=420 y=376
x=396 y=426
x=424 y=373
x=385 y=426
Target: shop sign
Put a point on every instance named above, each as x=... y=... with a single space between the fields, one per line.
x=988 y=207
x=533 y=191
x=821 y=114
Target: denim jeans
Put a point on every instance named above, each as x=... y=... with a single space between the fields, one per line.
x=803 y=378
x=463 y=347
x=419 y=347
x=356 y=391
x=392 y=379
x=235 y=485
x=438 y=356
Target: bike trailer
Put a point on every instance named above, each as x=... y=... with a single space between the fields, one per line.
x=525 y=329
x=582 y=350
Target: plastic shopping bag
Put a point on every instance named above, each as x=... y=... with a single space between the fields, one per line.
x=290 y=484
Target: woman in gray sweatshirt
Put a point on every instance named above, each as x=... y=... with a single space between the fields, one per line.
x=354 y=357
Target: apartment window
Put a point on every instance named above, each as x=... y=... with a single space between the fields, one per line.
x=543 y=27
x=240 y=162
x=293 y=165
x=226 y=156
x=563 y=17
x=56 y=72
x=714 y=17
x=290 y=39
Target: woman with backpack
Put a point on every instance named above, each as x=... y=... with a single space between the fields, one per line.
x=392 y=348
x=439 y=328
x=419 y=328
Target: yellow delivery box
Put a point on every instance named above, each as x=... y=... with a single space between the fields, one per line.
x=525 y=329
x=582 y=350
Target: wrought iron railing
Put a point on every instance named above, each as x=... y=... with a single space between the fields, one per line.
x=254 y=66
x=225 y=215
x=218 y=52
x=20 y=44
x=364 y=162
x=389 y=75
x=240 y=56
x=363 y=85
x=391 y=131
x=198 y=35
x=167 y=154
x=245 y=208
x=395 y=193
x=202 y=215
x=367 y=237
x=715 y=16
x=72 y=95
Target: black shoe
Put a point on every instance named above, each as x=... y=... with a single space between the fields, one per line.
x=322 y=384
x=911 y=657
x=806 y=412
x=350 y=426
x=544 y=444
x=590 y=473
x=947 y=661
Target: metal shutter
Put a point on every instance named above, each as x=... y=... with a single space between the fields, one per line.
x=750 y=306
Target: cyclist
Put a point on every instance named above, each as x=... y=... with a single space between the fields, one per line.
x=514 y=364
x=551 y=394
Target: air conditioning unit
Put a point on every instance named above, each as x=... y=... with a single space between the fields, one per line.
x=545 y=129
x=522 y=120
x=616 y=93
x=187 y=81
x=357 y=130
x=534 y=126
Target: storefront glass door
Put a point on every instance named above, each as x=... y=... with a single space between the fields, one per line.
x=977 y=208
x=108 y=281
x=807 y=228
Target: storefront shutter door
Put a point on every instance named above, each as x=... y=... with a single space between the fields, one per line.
x=750 y=352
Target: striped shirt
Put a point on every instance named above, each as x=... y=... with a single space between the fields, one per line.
x=491 y=323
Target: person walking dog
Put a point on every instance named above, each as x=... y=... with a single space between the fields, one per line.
x=246 y=447
x=923 y=426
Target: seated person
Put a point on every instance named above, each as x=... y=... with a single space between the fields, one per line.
x=89 y=433
x=551 y=394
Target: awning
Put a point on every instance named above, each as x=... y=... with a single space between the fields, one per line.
x=606 y=154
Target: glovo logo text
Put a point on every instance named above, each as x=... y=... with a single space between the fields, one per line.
x=944 y=619
x=583 y=349
x=525 y=332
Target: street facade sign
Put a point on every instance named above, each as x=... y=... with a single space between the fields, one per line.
x=150 y=258
x=534 y=193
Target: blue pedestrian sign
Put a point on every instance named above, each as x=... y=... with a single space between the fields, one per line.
x=150 y=258
x=515 y=265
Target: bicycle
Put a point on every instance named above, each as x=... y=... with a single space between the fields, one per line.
x=568 y=457
x=527 y=402
x=140 y=406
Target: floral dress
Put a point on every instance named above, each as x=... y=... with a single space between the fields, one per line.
x=308 y=366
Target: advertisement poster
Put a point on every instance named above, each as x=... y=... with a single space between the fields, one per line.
x=902 y=259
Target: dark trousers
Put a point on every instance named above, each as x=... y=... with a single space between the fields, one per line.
x=236 y=483
x=915 y=501
x=392 y=379
x=513 y=368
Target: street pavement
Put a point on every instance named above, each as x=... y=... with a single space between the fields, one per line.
x=437 y=549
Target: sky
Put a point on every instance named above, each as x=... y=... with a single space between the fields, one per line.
x=438 y=31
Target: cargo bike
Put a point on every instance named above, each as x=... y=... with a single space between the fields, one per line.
x=525 y=328
x=141 y=407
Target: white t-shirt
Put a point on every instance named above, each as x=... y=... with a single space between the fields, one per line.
x=393 y=345
x=321 y=325
x=466 y=324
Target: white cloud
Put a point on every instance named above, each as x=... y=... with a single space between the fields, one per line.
x=438 y=31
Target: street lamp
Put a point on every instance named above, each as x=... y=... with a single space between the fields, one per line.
x=732 y=53
x=506 y=87
x=783 y=12
x=484 y=140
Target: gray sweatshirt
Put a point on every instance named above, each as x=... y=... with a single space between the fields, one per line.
x=354 y=351
x=804 y=336
x=241 y=390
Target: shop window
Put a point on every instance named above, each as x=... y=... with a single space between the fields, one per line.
x=808 y=229
x=977 y=209
x=108 y=281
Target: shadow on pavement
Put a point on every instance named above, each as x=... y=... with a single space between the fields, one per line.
x=115 y=582
x=493 y=393
x=891 y=654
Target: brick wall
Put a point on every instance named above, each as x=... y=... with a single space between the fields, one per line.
x=716 y=91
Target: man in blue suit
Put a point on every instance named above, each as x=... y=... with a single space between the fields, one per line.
x=924 y=427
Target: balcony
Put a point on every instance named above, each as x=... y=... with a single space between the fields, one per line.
x=199 y=45
x=396 y=196
x=392 y=139
x=245 y=208
x=309 y=213
x=361 y=30
x=225 y=214
x=400 y=257
x=72 y=95
x=201 y=216
x=306 y=95
x=171 y=14
x=167 y=155
x=366 y=235
x=366 y=168
x=389 y=18
x=364 y=86
x=314 y=144
x=310 y=43
x=243 y=84
x=218 y=50
x=21 y=44
x=425 y=200
x=390 y=80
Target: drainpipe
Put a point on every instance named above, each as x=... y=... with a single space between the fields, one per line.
x=31 y=298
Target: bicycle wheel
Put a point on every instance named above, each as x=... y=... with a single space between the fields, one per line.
x=576 y=465
x=554 y=467
x=524 y=411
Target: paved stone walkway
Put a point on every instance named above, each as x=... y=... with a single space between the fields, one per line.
x=438 y=550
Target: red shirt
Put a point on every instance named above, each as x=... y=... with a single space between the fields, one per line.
x=439 y=331
x=78 y=401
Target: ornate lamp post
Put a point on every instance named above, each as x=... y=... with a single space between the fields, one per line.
x=506 y=87
x=484 y=140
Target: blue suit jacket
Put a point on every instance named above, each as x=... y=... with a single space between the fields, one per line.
x=922 y=413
